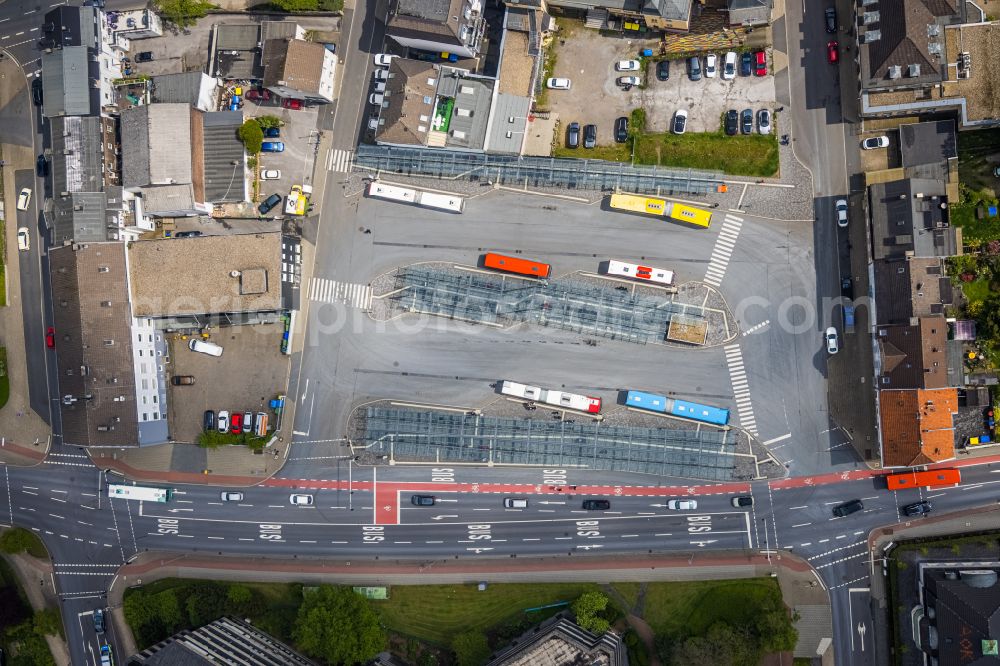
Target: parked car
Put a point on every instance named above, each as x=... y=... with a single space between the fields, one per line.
x=680 y=121
x=247 y=422
x=847 y=287
x=841 y=208
x=204 y=347
x=621 y=129
x=381 y=75
x=269 y=203
x=23 y=239
x=236 y=423
x=50 y=337
x=729 y=66
x=832 y=54
x=373 y=122
x=99 y=621
x=188 y=234
x=42 y=167
x=379 y=87
x=422 y=500
x=732 y=122
x=36 y=91
x=298 y=499
x=742 y=501
x=223 y=424
x=270 y=174
x=144 y=56
x=558 y=84
x=832 y=341
x=24 y=198
x=272 y=132
x=847 y=508
x=182 y=380
x=627 y=66
x=209 y=421
x=873 y=142
x=596 y=505
x=383 y=59
x=694 y=68
x=746 y=121
x=711 y=65
x=376 y=99
x=916 y=509
x=759 y=63
x=663 y=70
x=590 y=136
x=231 y=496
x=573 y=135
x=764 y=121
x=293 y=104
x=255 y=95
x=746 y=64
x=682 y=505
x=628 y=81
x=272 y=147
x=831 y=19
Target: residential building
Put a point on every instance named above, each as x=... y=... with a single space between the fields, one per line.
x=195 y=88
x=66 y=83
x=239 y=50
x=223 y=164
x=628 y=15
x=85 y=217
x=916 y=426
x=297 y=69
x=224 y=641
x=560 y=642
x=80 y=160
x=914 y=356
x=959 y=615
x=451 y=26
x=136 y=24
x=749 y=13
x=908 y=288
x=909 y=218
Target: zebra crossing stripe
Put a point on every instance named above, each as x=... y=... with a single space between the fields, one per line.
x=725 y=243
x=338 y=160
x=741 y=387
x=323 y=290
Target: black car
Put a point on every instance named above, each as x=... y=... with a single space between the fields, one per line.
x=596 y=505
x=732 y=122
x=916 y=509
x=746 y=64
x=847 y=287
x=99 y=621
x=694 y=68
x=590 y=136
x=746 y=121
x=422 y=500
x=36 y=91
x=144 y=56
x=831 y=20
x=272 y=132
x=621 y=129
x=847 y=508
x=740 y=502
x=208 y=422
x=573 y=135
x=269 y=203
x=42 y=166
x=663 y=70
x=188 y=234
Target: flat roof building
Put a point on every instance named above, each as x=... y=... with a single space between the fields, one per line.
x=224 y=641
x=909 y=217
x=452 y=26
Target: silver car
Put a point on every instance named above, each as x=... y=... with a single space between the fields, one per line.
x=682 y=505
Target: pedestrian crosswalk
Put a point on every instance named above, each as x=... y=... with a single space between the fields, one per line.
x=741 y=388
x=338 y=160
x=323 y=290
x=724 y=245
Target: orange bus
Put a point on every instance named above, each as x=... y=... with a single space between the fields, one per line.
x=514 y=265
x=936 y=477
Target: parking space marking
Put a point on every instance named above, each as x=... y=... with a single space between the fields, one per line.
x=348 y=293
x=741 y=388
x=723 y=250
x=338 y=160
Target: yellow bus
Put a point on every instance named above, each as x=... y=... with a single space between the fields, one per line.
x=636 y=203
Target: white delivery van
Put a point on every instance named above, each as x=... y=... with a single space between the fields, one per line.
x=209 y=348
x=515 y=503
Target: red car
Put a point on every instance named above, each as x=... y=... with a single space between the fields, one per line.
x=760 y=63
x=50 y=338
x=293 y=104
x=831 y=51
x=255 y=95
x=236 y=423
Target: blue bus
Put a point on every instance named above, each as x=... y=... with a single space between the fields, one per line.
x=660 y=404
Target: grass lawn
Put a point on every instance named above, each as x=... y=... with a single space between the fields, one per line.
x=629 y=591
x=436 y=613
x=4 y=378
x=751 y=155
x=978 y=153
x=690 y=608
x=977 y=290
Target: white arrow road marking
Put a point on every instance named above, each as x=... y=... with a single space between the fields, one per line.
x=442 y=517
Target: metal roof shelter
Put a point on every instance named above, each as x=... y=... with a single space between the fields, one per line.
x=536 y=171
x=562 y=303
x=411 y=434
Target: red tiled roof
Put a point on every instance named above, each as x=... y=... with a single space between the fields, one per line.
x=917 y=426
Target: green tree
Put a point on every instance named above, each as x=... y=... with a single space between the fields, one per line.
x=588 y=608
x=471 y=648
x=205 y=602
x=153 y=617
x=32 y=650
x=251 y=135
x=339 y=626
x=243 y=600
x=47 y=622
x=774 y=627
x=268 y=121
x=182 y=13
x=295 y=5
x=16 y=540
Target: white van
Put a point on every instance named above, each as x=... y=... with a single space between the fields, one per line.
x=515 y=503
x=209 y=348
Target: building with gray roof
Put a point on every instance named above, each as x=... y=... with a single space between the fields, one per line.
x=79 y=217
x=749 y=12
x=224 y=163
x=194 y=88
x=159 y=145
x=66 y=89
x=959 y=615
x=508 y=124
x=909 y=218
x=169 y=201
x=236 y=52
x=561 y=642
x=77 y=154
x=455 y=26
x=672 y=15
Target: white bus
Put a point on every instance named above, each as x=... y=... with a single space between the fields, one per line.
x=580 y=403
x=143 y=493
x=445 y=202
x=639 y=272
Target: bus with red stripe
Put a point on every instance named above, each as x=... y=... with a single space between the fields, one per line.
x=516 y=265
x=639 y=272
x=929 y=479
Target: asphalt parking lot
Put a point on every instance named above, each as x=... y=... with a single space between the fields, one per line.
x=595 y=97
x=250 y=372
